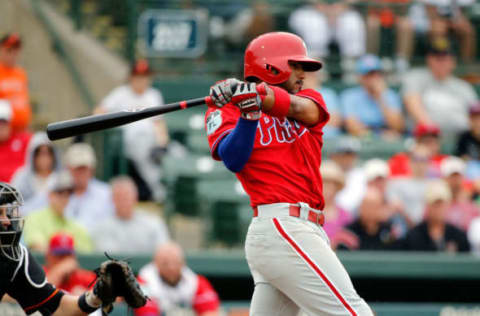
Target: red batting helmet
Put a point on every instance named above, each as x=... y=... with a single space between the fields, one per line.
x=267 y=57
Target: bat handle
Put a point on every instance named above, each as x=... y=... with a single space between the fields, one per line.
x=209 y=101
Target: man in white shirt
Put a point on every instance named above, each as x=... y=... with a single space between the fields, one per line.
x=434 y=95
x=91 y=200
x=131 y=230
x=144 y=141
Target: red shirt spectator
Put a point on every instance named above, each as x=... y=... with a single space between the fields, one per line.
x=428 y=136
x=172 y=286
x=14 y=82
x=62 y=267
x=13 y=146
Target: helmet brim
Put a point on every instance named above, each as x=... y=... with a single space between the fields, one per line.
x=308 y=64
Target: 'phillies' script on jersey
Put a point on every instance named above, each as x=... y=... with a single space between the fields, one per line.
x=285 y=161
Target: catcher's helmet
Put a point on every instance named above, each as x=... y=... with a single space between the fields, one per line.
x=11 y=223
x=267 y=57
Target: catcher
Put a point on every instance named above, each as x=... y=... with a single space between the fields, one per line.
x=23 y=278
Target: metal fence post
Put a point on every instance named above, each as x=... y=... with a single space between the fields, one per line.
x=130 y=46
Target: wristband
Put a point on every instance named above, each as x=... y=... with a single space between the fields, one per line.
x=87 y=303
x=282 y=102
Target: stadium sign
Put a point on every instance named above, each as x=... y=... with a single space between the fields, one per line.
x=173 y=33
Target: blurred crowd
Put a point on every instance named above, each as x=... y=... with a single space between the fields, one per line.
x=417 y=200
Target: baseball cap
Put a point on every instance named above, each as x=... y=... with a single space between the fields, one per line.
x=439 y=46
x=61 y=244
x=80 y=155
x=332 y=171
x=11 y=40
x=474 y=108
x=437 y=190
x=368 y=63
x=141 y=67
x=61 y=182
x=347 y=145
x=5 y=111
x=452 y=165
x=375 y=168
x=425 y=129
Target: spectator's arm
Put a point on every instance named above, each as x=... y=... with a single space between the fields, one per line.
x=355 y=127
x=393 y=118
x=414 y=106
x=161 y=132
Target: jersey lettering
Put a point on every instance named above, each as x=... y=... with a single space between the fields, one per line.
x=284 y=131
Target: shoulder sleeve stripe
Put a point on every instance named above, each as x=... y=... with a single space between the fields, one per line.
x=26 y=309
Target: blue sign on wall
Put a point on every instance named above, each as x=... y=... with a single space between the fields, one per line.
x=174 y=33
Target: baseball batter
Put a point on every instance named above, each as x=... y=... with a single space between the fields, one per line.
x=268 y=130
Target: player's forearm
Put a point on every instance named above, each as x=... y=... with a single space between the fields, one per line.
x=69 y=307
x=161 y=133
x=301 y=109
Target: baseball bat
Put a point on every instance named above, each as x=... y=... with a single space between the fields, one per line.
x=92 y=123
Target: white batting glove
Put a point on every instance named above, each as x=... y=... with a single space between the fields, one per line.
x=248 y=100
x=222 y=91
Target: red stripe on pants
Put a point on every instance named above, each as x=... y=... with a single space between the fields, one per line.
x=284 y=234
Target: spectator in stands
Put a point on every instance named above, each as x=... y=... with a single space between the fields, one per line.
x=330 y=96
x=427 y=136
x=321 y=23
x=145 y=141
x=42 y=224
x=13 y=145
x=440 y=18
x=434 y=233
x=14 y=82
x=372 y=107
x=371 y=230
x=131 y=230
x=468 y=145
x=434 y=95
x=41 y=166
x=174 y=287
x=345 y=154
x=333 y=179
x=91 y=200
x=474 y=235
x=410 y=190
x=383 y=16
x=462 y=210
x=62 y=267
x=377 y=174
x=250 y=23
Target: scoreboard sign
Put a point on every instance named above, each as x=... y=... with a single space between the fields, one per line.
x=174 y=33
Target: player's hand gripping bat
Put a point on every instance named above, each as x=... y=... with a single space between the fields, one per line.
x=94 y=123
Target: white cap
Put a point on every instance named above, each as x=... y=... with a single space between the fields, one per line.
x=5 y=111
x=375 y=168
x=437 y=190
x=61 y=181
x=330 y=170
x=80 y=155
x=452 y=165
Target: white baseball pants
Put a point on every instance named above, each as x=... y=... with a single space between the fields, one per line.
x=294 y=268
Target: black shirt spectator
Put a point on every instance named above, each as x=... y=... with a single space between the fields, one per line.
x=454 y=240
x=382 y=239
x=468 y=145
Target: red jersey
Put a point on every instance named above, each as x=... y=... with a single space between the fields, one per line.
x=400 y=165
x=79 y=281
x=285 y=162
x=12 y=154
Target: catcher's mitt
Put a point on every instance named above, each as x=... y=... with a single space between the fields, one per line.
x=115 y=278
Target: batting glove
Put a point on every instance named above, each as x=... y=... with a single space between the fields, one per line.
x=248 y=100
x=222 y=91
